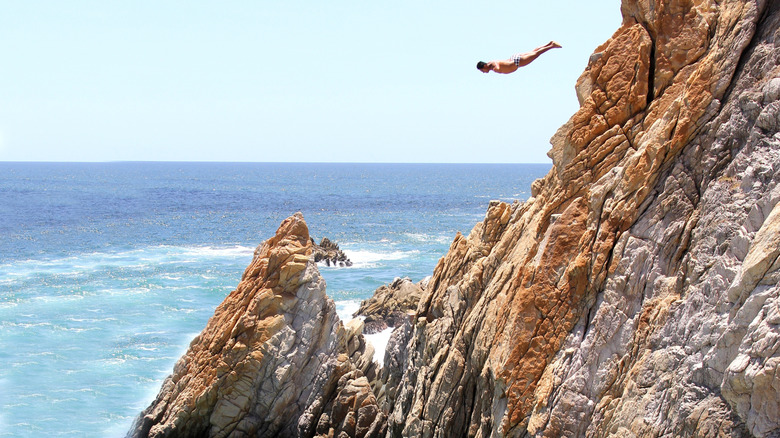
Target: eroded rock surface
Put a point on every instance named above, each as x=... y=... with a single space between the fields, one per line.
x=274 y=360
x=636 y=293
x=391 y=305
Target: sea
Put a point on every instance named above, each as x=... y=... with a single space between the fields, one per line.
x=108 y=270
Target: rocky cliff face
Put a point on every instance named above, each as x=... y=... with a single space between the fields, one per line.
x=635 y=294
x=274 y=360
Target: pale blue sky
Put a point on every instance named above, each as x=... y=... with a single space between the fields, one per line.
x=343 y=81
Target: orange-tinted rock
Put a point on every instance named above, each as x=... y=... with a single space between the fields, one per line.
x=553 y=323
x=637 y=293
x=270 y=359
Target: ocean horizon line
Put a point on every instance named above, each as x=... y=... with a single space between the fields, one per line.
x=267 y=162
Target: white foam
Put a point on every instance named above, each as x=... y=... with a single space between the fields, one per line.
x=379 y=341
x=425 y=238
x=178 y=309
x=86 y=263
x=63 y=400
x=230 y=251
x=345 y=309
x=369 y=259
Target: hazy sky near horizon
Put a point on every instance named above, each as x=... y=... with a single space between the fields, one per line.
x=301 y=81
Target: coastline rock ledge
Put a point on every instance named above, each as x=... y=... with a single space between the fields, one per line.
x=635 y=294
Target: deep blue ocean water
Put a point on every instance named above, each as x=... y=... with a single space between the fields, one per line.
x=108 y=270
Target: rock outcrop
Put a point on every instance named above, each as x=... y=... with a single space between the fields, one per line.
x=274 y=360
x=636 y=293
x=391 y=305
x=329 y=253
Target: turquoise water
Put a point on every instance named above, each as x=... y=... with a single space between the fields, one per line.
x=108 y=270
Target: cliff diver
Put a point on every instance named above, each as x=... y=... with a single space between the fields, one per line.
x=516 y=61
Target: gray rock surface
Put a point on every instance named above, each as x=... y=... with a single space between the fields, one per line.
x=274 y=360
x=650 y=305
x=328 y=252
x=390 y=305
x=636 y=294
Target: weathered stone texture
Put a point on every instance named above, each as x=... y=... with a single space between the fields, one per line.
x=274 y=360
x=391 y=305
x=636 y=293
x=329 y=253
